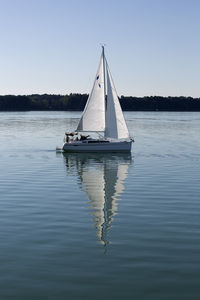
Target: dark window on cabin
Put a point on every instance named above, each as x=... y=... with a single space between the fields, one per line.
x=97 y=142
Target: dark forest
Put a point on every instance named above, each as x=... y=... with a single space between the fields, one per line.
x=76 y=102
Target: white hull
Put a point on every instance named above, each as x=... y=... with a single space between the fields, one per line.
x=97 y=147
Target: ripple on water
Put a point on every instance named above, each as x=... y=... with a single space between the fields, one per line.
x=91 y=227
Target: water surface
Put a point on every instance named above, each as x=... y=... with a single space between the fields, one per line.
x=100 y=226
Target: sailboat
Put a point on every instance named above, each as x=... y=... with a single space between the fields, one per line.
x=102 y=116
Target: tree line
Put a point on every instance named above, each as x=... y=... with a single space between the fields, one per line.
x=77 y=102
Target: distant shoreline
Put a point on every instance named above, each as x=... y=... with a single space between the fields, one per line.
x=76 y=102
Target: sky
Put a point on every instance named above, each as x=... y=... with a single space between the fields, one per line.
x=54 y=46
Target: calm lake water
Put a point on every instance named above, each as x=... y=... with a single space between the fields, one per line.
x=100 y=226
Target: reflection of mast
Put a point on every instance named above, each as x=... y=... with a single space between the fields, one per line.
x=102 y=179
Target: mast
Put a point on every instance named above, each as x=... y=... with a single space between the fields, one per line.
x=104 y=86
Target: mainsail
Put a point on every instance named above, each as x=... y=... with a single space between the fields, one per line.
x=93 y=118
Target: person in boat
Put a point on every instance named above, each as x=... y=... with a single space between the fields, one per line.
x=70 y=134
x=67 y=137
x=83 y=137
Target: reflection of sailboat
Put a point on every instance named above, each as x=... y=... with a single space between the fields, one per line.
x=102 y=178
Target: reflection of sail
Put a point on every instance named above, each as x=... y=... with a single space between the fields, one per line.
x=93 y=184
x=102 y=178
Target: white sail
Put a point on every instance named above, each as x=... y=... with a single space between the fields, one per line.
x=115 y=123
x=93 y=118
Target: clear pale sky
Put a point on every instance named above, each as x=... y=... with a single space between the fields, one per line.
x=53 y=46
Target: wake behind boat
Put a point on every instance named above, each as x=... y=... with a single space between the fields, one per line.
x=102 y=118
